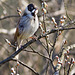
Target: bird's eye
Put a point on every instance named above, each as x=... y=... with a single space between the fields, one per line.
x=32 y=8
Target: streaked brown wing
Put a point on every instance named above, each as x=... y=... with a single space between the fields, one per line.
x=16 y=34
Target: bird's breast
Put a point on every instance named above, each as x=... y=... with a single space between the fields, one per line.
x=30 y=29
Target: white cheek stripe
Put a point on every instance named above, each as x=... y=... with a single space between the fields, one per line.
x=33 y=11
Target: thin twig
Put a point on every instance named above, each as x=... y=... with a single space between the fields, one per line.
x=43 y=45
x=10 y=16
x=34 y=51
x=51 y=52
x=69 y=23
x=45 y=30
x=47 y=41
x=69 y=67
x=67 y=13
x=25 y=65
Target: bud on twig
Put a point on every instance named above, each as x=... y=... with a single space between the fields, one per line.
x=12 y=70
x=19 y=11
x=67 y=57
x=63 y=17
x=69 y=63
x=73 y=61
x=8 y=41
x=44 y=5
x=41 y=27
x=44 y=10
x=65 y=60
x=57 y=57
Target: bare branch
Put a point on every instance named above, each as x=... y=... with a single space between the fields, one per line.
x=30 y=42
x=58 y=66
x=10 y=16
x=25 y=65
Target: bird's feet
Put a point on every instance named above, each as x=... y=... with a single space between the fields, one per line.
x=34 y=38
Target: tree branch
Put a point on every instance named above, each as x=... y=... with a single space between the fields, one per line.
x=30 y=42
x=10 y=16
x=25 y=65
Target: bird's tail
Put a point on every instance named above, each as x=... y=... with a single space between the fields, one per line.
x=18 y=46
x=17 y=56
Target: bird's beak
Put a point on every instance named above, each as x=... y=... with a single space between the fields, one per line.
x=35 y=11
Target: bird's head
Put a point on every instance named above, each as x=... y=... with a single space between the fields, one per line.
x=31 y=10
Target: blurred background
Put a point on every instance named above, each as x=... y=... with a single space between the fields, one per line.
x=56 y=8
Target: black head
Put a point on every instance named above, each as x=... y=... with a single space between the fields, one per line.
x=31 y=7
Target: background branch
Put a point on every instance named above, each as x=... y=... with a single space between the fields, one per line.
x=10 y=16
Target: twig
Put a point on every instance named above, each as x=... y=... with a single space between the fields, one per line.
x=51 y=52
x=69 y=23
x=58 y=66
x=38 y=53
x=44 y=15
x=34 y=51
x=72 y=68
x=67 y=13
x=10 y=16
x=9 y=43
x=25 y=65
x=43 y=45
x=69 y=67
x=47 y=41
x=42 y=56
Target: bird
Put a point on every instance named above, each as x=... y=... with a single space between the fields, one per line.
x=28 y=24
